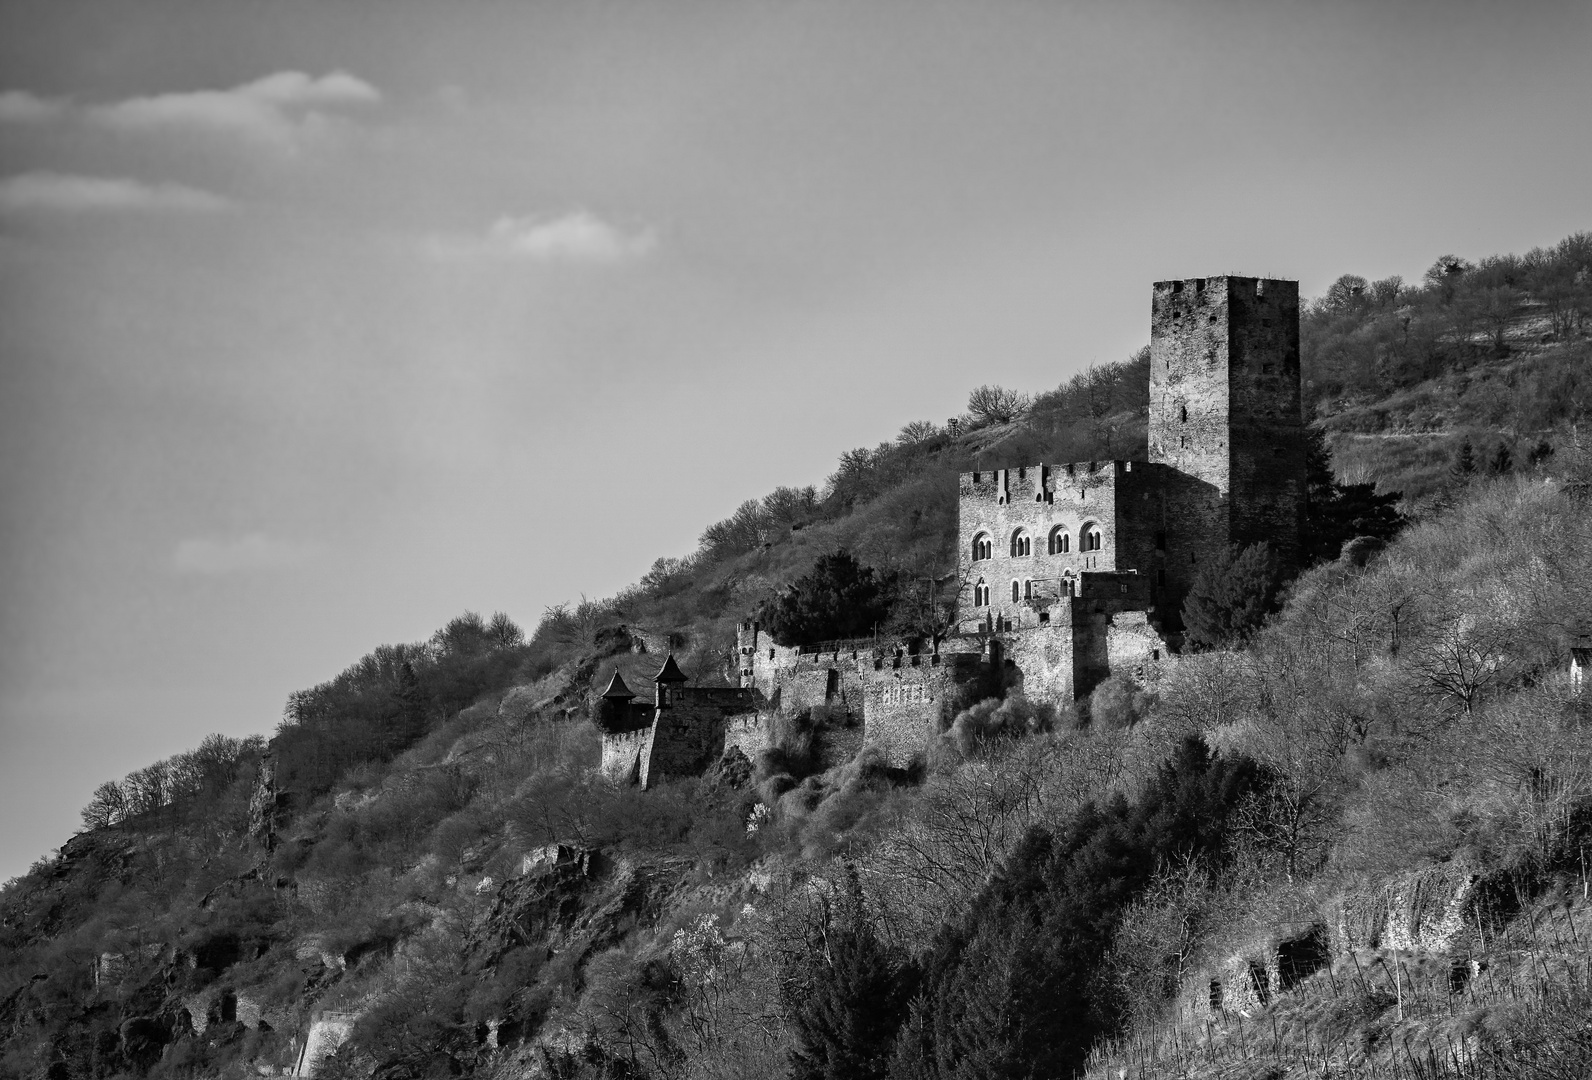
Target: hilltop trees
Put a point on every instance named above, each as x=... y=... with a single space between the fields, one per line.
x=997 y=405
x=187 y=778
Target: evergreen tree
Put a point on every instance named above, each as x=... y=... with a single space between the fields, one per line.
x=854 y=997
x=1012 y=988
x=1502 y=461
x=1337 y=513
x=1230 y=597
x=839 y=598
x=1464 y=466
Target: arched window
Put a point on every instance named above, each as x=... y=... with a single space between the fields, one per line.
x=1182 y=413
x=1089 y=538
x=1069 y=584
x=983 y=547
x=981 y=594
x=1060 y=542
x=1028 y=590
x=1022 y=543
x=1016 y=595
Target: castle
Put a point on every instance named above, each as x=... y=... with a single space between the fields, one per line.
x=1068 y=574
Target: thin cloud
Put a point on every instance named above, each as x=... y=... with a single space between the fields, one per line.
x=277 y=109
x=208 y=556
x=66 y=193
x=576 y=237
x=22 y=107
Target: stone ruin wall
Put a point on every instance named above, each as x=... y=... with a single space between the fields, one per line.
x=865 y=692
x=914 y=698
x=625 y=755
x=688 y=734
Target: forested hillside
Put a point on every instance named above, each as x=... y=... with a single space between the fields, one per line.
x=1351 y=841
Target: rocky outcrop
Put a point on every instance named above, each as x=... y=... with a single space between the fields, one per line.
x=1426 y=910
x=328 y=1031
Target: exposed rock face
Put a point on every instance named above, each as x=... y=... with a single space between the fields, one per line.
x=327 y=1032
x=1428 y=910
x=265 y=805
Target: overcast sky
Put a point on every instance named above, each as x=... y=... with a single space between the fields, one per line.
x=321 y=323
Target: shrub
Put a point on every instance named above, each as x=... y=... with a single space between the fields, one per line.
x=1118 y=703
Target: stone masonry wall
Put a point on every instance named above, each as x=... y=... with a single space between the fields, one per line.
x=1225 y=414
x=751 y=733
x=625 y=754
x=688 y=733
x=864 y=693
x=1267 y=473
x=1190 y=412
x=1042 y=660
x=1036 y=501
x=912 y=699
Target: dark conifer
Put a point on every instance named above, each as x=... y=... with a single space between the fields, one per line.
x=1337 y=513
x=1230 y=597
x=856 y=998
x=839 y=598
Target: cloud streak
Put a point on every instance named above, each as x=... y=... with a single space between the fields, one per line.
x=208 y=556
x=67 y=193
x=278 y=109
x=22 y=107
x=578 y=237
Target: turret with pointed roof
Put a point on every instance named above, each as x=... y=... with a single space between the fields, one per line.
x=616 y=710
x=668 y=677
x=617 y=690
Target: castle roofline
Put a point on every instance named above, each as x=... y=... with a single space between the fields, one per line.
x=1095 y=466
x=617 y=689
x=1224 y=277
x=670 y=672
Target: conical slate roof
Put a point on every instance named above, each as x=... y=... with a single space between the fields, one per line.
x=670 y=672
x=617 y=688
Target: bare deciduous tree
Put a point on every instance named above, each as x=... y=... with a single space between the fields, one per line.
x=992 y=404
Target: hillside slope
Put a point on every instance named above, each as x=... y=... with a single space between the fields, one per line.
x=1355 y=844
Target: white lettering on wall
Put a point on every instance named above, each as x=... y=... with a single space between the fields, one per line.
x=904 y=694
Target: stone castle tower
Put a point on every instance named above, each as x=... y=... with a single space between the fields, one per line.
x=1225 y=417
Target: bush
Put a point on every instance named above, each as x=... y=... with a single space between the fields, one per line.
x=973 y=728
x=1118 y=703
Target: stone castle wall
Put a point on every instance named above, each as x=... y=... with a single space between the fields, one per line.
x=912 y=699
x=688 y=733
x=863 y=693
x=625 y=754
x=1039 y=500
